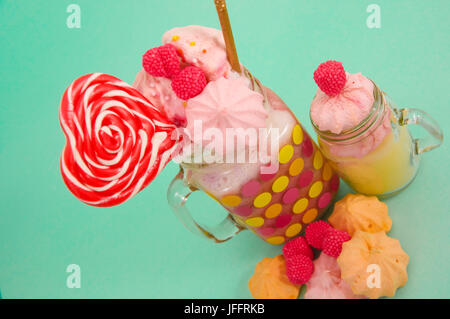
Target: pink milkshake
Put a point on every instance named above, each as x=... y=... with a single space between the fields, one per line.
x=274 y=203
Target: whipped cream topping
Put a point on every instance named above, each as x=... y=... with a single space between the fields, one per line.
x=202 y=47
x=345 y=110
x=158 y=90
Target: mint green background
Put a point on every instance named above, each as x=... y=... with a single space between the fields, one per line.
x=139 y=249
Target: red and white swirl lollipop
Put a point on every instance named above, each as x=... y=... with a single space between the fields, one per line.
x=117 y=141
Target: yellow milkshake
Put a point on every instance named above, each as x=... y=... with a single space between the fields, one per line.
x=359 y=132
x=382 y=171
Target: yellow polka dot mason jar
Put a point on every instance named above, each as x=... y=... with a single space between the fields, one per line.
x=274 y=202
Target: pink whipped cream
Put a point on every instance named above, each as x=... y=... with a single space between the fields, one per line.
x=158 y=90
x=346 y=110
x=201 y=46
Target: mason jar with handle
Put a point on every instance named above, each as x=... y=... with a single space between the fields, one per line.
x=379 y=156
x=275 y=204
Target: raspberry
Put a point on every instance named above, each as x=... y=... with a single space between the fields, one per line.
x=297 y=246
x=332 y=243
x=299 y=269
x=169 y=58
x=330 y=77
x=189 y=82
x=161 y=61
x=315 y=232
x=152 y=63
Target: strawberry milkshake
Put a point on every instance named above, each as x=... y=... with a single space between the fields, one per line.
x=273 y=195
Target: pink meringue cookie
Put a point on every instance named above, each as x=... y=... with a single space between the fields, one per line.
x=202 y=47
x=326 y=282
x=158 y=90
x=345 y=110
x=226 y=103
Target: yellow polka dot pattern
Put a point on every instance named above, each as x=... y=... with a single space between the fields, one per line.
x=285 y=154
x=300 y=206
x=275 y=240
x=327 y=172
x=231 y=200
x=315 y=189
x=262 y=200
x=273 y=210
x=255 y=221
x=318 y=160
x=293 y=230
x=297 y=135
x=296 y=167
x=280 y=184
x=310 y=215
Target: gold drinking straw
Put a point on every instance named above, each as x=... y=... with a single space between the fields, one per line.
x=227 y=35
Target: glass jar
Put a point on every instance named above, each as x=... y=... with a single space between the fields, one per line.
x=379 y=156
x=274 y=204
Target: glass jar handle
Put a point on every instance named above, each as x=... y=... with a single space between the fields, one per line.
x=415 y=116
x=177 y=195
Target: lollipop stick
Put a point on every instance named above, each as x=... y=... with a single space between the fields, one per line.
x=227 y=35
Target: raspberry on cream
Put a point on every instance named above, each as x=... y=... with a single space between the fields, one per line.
x=341 y=103
x=189 y=83
x=348 y=108
x=330 y=77
x=162 y=61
